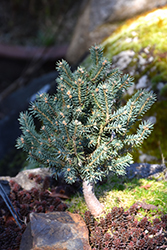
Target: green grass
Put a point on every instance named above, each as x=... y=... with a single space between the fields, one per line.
x=122 y=192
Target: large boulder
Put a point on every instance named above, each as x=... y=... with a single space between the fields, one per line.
x=55 y=231
x=98 y=19
x=24 y=180
x=139 y=48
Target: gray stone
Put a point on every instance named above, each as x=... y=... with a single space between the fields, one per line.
x=98 y=19
x=152 y=119
x=123 y=59
x=107 y=10
x=130 y=91
x=146 y=50
x=27 y=239
x=143 y=170
x=150 y=59
x=142 y=83
x=142 y=61
x=159 y=176
x=165 y=174
x=23 y=180
x=160 y=85
x=55 y=231
x=147 y=158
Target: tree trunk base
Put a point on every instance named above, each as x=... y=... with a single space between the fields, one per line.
x=95 y=207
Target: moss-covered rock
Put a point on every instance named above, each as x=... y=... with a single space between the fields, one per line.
x=156 y=144
x=145 y=37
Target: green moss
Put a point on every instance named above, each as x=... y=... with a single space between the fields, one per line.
x=77 y=204
x=124 y=192
x=145 y=31
x=160 y=74
x=145 y=28
x=156 y=144
x=149 y=31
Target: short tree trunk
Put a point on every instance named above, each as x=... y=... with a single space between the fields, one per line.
x=95 y=207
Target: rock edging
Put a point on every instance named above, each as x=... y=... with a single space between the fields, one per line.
x=56 y=230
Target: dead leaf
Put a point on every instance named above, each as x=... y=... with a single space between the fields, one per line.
x=146 y=186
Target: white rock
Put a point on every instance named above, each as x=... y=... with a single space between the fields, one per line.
x=160 y=85
x=126 y=53
x=146 y=50
x=152 y=119
x=123 y=59
x=150 y=59
x=128 y=40
x=142 y=67
x=134 y=33
x=153 y=69
x=148 y=89
x=135 y=39
x=130 y=91
x=142 y=61
x=142 y=83
x=146 y=158
x=22 y=178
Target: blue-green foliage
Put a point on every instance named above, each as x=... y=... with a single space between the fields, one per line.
x=85 y=127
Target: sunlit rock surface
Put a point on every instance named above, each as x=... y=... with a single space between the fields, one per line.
x=98 y=19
